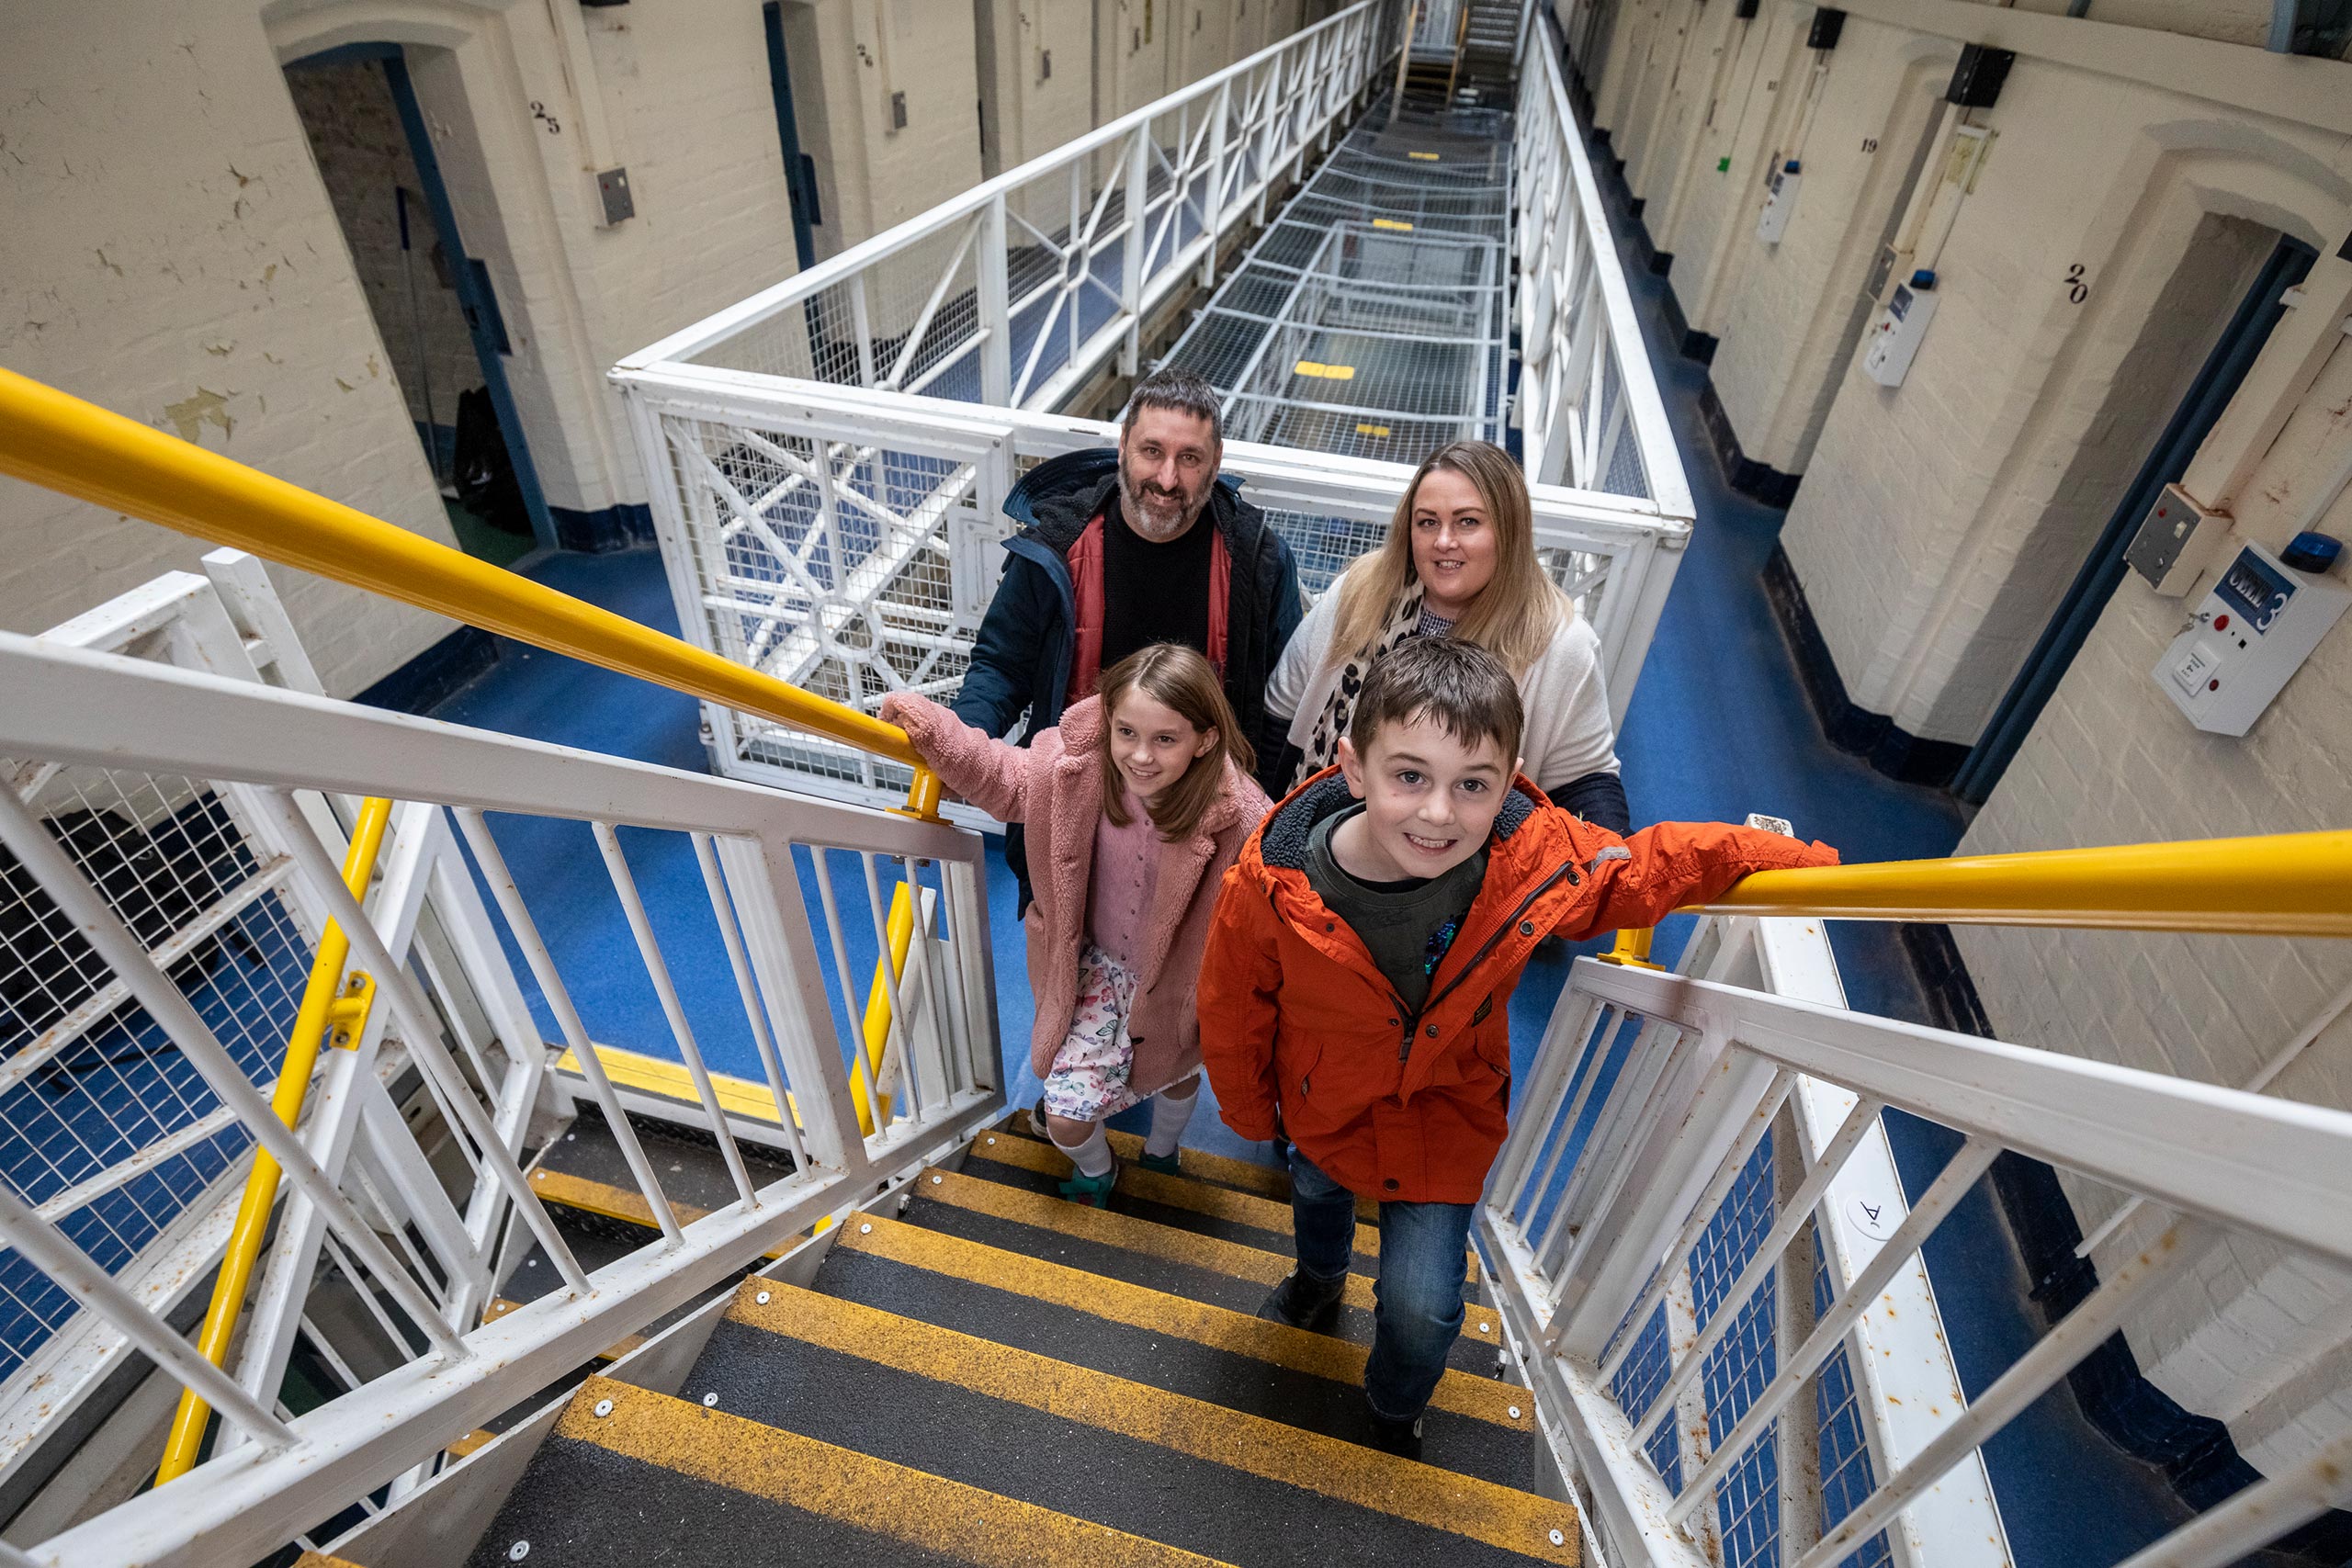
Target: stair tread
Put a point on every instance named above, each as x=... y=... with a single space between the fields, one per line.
x=1200 y=1268
x=662 y=1480
x=1211 y=1353
x=1174 y=1200
x=1232 y=1485
x=692 y=1172
x=1270 y=1181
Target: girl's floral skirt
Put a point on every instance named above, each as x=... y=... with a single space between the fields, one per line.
x=1091 y=1071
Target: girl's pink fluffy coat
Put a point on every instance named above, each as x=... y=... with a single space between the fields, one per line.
x=1055 y=785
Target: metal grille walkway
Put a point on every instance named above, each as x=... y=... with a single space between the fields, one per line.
x=1371 y=317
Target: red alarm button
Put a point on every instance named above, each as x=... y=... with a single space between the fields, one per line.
x=2221 y=622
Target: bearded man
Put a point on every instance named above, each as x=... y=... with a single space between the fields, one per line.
x=1126 y=548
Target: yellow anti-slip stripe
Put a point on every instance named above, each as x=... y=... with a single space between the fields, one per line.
x=1318 y=1355
x=1423 y=157
x=1506 y=1519
x=1169 y=1191
x=1265 y=1180
x=1372 y=430
x=1322 y=372
x=652 y=1074
x=1399 y=226
x=614 y=1203
x=929 y=1513
x=1089 y=1223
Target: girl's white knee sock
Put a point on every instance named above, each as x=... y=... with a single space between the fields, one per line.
x=1091 y=1154
x=1170 y=1117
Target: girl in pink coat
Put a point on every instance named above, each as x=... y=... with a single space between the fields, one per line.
x=1136 y=804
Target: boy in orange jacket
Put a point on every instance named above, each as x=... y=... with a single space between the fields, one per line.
x=1355 y=991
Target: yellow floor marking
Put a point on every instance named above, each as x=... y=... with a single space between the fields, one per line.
x=1401 y=228
x=321 y=1560
x=1171 y=1192
x=1322 y=372
x=615 y=1202
x=1372 y=430
x=470 y=1441
x=1318 y=1355
x=926 y=1512
x=652 y=1074
x=612 y=1352
x=1424 y=157
x=1502 y=1518
x=1085 y=1222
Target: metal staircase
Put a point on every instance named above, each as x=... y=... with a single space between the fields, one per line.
x=983 y=1372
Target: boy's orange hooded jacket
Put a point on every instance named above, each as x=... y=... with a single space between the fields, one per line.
x=1404 y=1106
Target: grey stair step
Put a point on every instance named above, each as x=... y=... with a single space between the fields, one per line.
x=691 y=1170
x=657 y=1480
x=1202 y=1269
x=1207 y=1353
x=1230 y=1487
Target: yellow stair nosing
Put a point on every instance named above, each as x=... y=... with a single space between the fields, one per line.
x=1170 y=1192
x=1500 y=1516
x=603 y=1199
x=1086 y=1222
x=478 y=1438
x=670 y=1080
x=1139 y=1306
x=927 y=1512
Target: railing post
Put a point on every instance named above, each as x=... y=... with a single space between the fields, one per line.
x=1131 y=258
x=989 y=271
x=1212 y=209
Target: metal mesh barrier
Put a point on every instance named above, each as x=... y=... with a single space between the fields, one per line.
x=1370 y=319
x=88 y=1080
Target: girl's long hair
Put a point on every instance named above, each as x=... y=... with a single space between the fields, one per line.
x=1178 y=676
x=1519 y=611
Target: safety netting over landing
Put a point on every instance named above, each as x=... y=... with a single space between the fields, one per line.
x=1372 y=317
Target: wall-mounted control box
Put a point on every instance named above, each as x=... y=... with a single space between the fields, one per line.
x=1780 y=202
x=1894 y=334
x=2177 y=541
x=2257 y=624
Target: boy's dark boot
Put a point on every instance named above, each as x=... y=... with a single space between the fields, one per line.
x=1402 y=1439
x=1306 y=1302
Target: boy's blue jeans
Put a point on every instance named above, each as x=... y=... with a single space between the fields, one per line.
x=1418 y=1288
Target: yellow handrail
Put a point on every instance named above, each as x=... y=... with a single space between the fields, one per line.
x=55 y=439
x=2275 y=885
x=326 y=1002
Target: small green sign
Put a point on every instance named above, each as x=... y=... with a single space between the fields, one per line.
x=1722 y=165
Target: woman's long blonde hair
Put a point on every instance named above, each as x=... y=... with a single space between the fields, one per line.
x=1519 y=611
x=1178 y=676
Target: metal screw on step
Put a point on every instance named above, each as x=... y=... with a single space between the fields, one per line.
x=865 y=1230
x=936 y=1180
x=763 y=1299
x=519 y=1550
x=992 y=1143
x=710 y=1399
x=1559 y=1539
x=1486 y=1328
x=603 y=1408
x=1514 y=1411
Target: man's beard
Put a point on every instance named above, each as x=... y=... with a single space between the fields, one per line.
x=1144 y=524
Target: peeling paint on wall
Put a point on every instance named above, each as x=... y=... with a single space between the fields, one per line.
x=190 y=414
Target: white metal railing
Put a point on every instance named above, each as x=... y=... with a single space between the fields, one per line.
x=1697 y=1230
x=797 y=891
x=769 y=484
x=1588 y=404
x=830 y=458
x=1016 y=292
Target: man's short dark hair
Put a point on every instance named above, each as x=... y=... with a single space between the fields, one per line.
x=1459 y=685
x=1185 y=391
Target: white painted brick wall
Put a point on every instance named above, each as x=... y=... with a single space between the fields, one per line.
x=2113 y=761
x=167 y=247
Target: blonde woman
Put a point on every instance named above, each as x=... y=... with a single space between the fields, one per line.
x=1460 y=561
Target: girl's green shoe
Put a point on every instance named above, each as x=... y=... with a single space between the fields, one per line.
x=1094 y=1189
x=1166 y=1165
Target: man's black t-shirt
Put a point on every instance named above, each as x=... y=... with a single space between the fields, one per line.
x=1154 y=592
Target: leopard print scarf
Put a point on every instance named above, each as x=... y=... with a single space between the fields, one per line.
x=1323 y=745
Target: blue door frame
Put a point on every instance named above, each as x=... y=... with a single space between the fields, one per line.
x=467 y=275
x=799 y=169
x=2070 y=625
